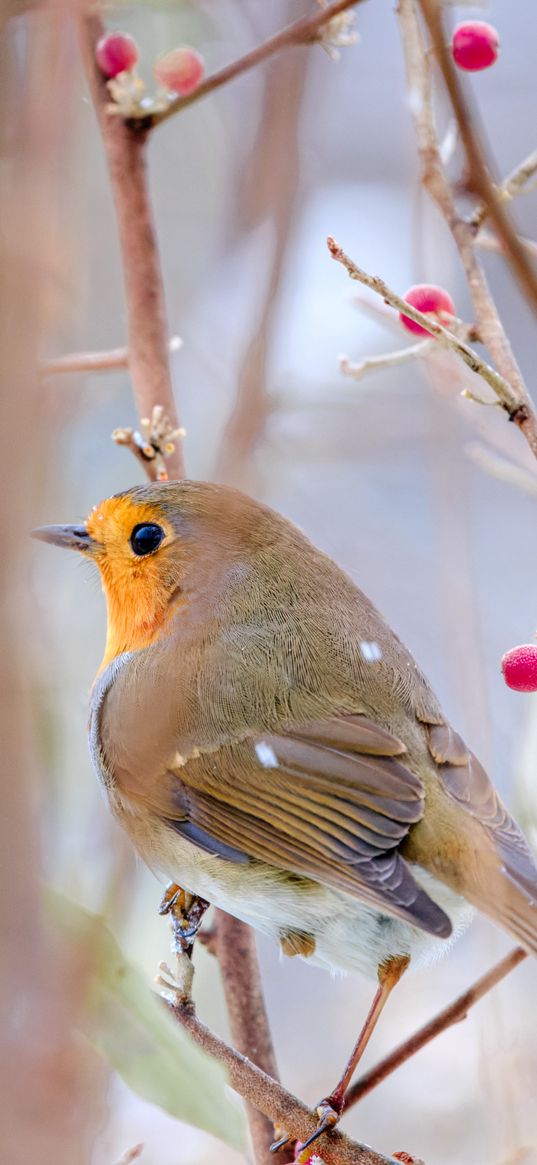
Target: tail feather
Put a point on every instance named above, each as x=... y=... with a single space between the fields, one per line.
x=503 y=885
x=485 y=856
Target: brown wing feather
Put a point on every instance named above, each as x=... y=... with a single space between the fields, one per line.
x=330 y=813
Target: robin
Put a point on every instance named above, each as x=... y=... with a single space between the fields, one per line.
x=269 y=744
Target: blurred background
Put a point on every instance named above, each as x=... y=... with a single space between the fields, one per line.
x=382 y=474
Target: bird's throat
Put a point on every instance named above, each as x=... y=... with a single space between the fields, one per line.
x=133 y=625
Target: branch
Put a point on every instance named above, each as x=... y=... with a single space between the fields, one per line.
x=95 y=361
x=478 y=172
x=147 y=329
x=489 y=242
x=235 y=949
x=357 y=371
x=488 y=322
x=306 y=31
x=454 y=1013
x=270 y=1098
x=511 y=186
x=445 y=338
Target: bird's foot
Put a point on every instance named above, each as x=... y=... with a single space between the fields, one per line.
x=328 y=1112
x=186 y=914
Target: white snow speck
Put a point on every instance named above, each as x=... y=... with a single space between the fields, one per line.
x=266 y=755
x=370 y=651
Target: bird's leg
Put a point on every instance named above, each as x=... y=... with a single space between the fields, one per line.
x=329 y=1110
x=186 y=912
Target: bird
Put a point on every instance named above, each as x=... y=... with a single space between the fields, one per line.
x=271 y=746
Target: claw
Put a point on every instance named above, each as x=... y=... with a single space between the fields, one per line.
x=283 y=1141
x=170 y=898
x=186 y=911
x=328 y=1119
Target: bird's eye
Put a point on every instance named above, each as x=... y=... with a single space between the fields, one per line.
x=146 y=538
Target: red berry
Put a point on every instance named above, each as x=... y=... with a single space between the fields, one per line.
x=475 y=45
x=428 y=298
x=519 y=667
x=117 y=52
x=180 y=71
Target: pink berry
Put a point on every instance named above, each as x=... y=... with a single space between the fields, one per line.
x=180 y=71
x=430 y=299
x=519 y=667
x=475 y=45
x=117 y=52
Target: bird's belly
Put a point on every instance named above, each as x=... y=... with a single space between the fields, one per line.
x=349 y=935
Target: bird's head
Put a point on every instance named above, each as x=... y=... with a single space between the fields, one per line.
x=136 y=545
x=157 y=546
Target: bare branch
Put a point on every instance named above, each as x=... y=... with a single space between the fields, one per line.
x=512 y=186
x=445 y=338
x=489 y=242
x=434 y=178
x=479 y=175
x=422 y=348
x=386 y=360
x=270 y=1098
x=154 y=444
x=147 y=329
x=454 y=1013
x=95 y=361
x=306 y=31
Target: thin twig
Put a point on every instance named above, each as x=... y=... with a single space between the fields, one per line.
x=362 y=368
x=511 y=186
x=454 y=1013
x=303 y=32
x=489 y=242
x=445 y=338
x=479 y=178
x=147 y=328
x=108 y=361
x=488 y=322
x=270 y=1098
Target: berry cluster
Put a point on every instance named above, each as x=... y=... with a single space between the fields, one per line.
x=179 y=71
x=475 y=45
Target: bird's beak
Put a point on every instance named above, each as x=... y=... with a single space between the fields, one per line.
x=73 y=537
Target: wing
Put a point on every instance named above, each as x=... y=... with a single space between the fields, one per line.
x=330 y=800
